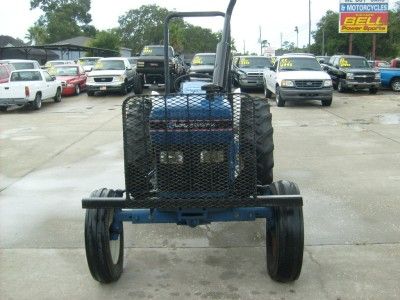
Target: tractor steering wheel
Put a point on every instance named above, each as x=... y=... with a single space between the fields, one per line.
x=181 y=78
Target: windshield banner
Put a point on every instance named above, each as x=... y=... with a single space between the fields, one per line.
x=363 y=16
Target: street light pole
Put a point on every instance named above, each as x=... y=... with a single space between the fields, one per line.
x=296 y=29
x=309 y=25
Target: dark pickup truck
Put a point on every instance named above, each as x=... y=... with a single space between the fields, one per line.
x=150 y=67
x=352 y=72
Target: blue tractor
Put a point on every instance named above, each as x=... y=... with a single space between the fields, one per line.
x=201 y=155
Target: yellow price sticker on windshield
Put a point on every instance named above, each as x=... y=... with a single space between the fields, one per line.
x=147 y=50
x=273 y=60
x=244 y=62
x=286 y=63
x=99 y=65
x=344 y=63
x=52 y=70
x=197 y=60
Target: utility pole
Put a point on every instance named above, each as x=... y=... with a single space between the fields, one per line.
x=281 y=39
x=309 y=26
x=373 y=46
x=323 y=41
x=296 y=29
x=244 y=47
x=260 y=41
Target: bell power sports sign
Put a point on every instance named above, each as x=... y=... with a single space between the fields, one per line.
x=363 y=16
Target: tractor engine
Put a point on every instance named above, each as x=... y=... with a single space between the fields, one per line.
x=192 y=142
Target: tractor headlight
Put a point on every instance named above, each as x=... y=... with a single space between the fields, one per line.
x=287 y=83
x=350 y=76
x=209 y=157
x=378 y=76
x=171 y=157
x=327 y=83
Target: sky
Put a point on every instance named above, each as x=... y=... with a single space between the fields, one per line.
x=274 y=17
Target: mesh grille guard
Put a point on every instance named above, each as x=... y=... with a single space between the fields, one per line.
x=195 y=147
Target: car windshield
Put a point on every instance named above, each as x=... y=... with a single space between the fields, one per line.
x=133 y=61
x=199 y=60
x=299 y=64
x=87 y=61
x=23 y=65
x=354 y=62
x=155 y=51
x=254 y=62
x=26 y=76
x=65 y=71
x=109 y=65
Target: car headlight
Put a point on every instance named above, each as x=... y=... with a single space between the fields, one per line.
x=119 y=78
x=350 y=76
x=140 y=63
x=377 y=75
x=243 y=75
x=327 y=83
x=90 y=79
x=287 y=83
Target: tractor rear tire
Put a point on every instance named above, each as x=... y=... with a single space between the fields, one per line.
x=263 y=136
x=285 y=237
x=172 y=87
x=137 y=147
x=137 y=84
x=104 y=255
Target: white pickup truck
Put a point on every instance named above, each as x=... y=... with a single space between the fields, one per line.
x=297 y=78
x=29 y=87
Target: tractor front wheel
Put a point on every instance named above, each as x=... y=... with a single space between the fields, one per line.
x=104 y=241
x=285 y=237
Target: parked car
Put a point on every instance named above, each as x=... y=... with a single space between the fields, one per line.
x=248 y=70
x=352 y=72
x=72 y=77
x=22 y=64
x=390 y=78
x=150 y=67
x=88 y=62
x=379 y=64
x=52 y=63
x=29 y=87
x=395 y=63
x=5 y=71
x=323 y=59
x=297 y=78
x=110 y=74
x=203 y=63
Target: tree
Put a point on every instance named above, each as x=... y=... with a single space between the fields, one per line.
x=37 y=35
x=61 y=19
x=144 y=26
x=106 y=39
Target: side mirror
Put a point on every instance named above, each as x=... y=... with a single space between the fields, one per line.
x=128 y=68
x=321 y=61
x=53 y=77
x=272 y=68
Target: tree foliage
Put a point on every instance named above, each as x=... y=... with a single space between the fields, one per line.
x=62 y=19
x=106 y=39
x=388 y=45
x=144 y=26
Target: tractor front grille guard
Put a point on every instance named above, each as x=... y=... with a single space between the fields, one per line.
x=190 y=148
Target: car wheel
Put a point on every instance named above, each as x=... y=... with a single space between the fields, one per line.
x=124 y=89
x=77 y=89
x=395 y=85
x=57 y=97
x=37 y=103
x=137 y=84
x=279 y=101
x=90 y=94
x=373 y=90
x=340 y=87
x=267 y=92
x=3 y=108
x=327 y=102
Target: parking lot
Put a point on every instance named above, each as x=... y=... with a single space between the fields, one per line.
x=345 y=159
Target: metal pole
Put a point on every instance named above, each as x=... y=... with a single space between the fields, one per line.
x=373 y=46
x=261 y=46
x=309 y=25
x=323 y=41
x=350 y=43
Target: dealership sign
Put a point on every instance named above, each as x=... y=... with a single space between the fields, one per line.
x=363 y=16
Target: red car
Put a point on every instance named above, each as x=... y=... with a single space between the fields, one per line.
x=5 y=71
x=72 y=77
